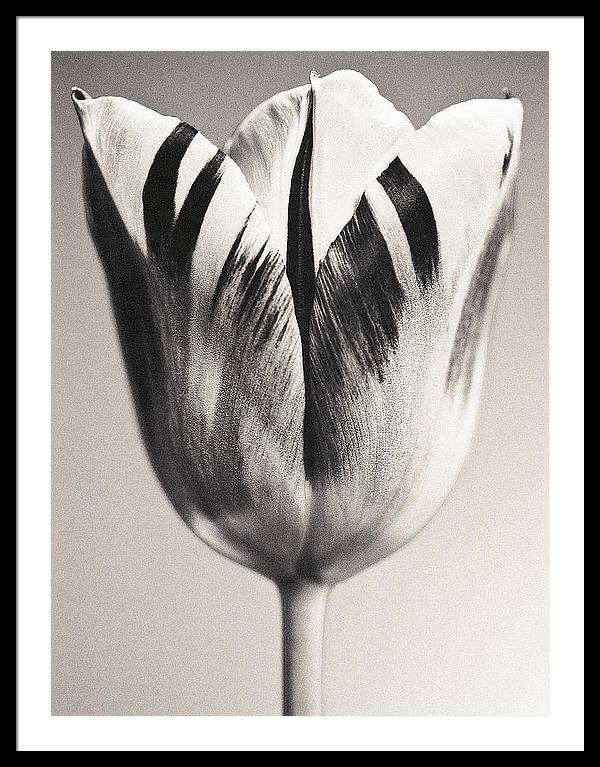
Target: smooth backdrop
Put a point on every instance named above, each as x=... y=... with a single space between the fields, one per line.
x=147 y=620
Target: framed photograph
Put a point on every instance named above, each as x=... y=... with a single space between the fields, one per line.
x=308 y=422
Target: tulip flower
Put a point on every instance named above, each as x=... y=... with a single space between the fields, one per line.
x=304 y=318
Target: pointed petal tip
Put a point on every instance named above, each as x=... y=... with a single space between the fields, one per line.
x=80 y=99
x=516 y=105
x=514 y=102
x=78 y=94
x=504 y=108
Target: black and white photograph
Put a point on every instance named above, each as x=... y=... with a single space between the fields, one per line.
x=297 y=457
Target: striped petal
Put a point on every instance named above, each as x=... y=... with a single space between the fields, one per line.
x=401 y=314
x=206 y=321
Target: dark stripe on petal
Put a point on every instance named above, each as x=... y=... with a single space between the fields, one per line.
x=475 y=312
x=158 y=195
x=508 y=155
x=251 y=302
x=354 y=329
x=191 y=217
x=300 y=266
x=300 y=258
x=228 y=270
x=416 y=216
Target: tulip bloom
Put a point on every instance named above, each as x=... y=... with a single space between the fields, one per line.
x=304 y=318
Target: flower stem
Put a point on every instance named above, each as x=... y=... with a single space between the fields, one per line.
x=303 y=617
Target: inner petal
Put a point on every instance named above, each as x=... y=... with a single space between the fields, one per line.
x=265 y=146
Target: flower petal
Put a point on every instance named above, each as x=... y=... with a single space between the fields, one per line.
x=402 y=306
x=206 y=321
x=356 y=135
x=465 y=157
x=265 y=146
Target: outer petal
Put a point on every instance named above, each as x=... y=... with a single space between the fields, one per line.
x=206 y=322
x=397 y=336
x=357 y=133
x=466 y=159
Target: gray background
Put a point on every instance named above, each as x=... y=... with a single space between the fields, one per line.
x=146 y=618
